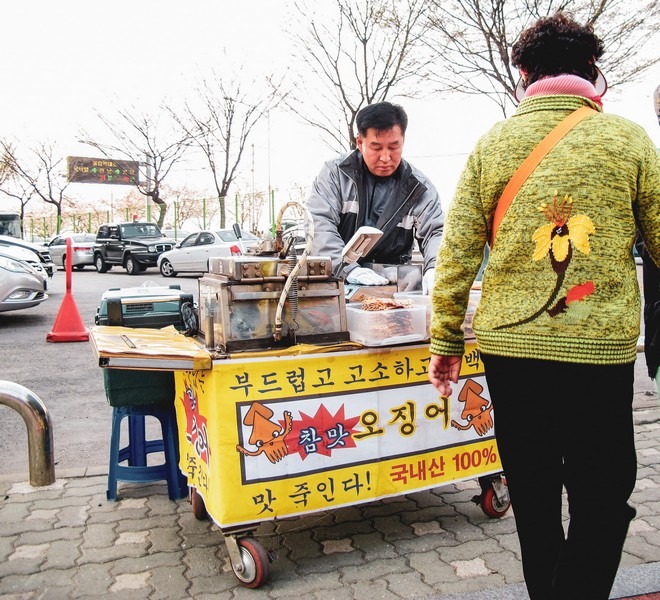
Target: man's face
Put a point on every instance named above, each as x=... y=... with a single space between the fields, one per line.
x=381 y=150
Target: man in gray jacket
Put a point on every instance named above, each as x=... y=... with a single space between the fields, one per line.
x=374 y=186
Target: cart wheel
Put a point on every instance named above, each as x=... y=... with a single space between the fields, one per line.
x=198 y=506
x=255 y=563
x=491 y=505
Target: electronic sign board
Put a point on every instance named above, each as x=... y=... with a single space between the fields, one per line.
x=102 y=170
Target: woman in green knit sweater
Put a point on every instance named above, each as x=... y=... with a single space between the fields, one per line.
x=559 y=316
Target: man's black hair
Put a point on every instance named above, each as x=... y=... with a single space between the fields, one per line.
x=381 y=116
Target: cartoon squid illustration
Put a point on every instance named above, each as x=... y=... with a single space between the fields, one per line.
x=268 y=436
x=477 y=411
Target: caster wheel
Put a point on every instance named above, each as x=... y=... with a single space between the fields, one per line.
x=198 y=506
x=255 y=563
x=491 y=505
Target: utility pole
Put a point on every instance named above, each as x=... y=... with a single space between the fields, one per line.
x=254 y=225
x=270 y=195
x=149 y=188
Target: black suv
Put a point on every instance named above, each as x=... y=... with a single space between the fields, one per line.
x=134 y=246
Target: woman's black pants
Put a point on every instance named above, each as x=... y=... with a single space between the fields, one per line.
x=566 y=425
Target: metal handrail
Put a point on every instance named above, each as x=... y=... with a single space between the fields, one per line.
x=39 y=429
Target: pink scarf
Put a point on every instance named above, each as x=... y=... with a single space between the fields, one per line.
x=564 y=84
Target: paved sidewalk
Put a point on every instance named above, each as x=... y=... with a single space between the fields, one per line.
x=67 y=541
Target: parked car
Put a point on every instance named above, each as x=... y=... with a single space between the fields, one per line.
x=82 y=249
x=27 y=257
x=42 y=252
x=193 y=253
x=20 y=286
x=135 y=245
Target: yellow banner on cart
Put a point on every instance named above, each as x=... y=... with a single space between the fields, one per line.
x=268 y=437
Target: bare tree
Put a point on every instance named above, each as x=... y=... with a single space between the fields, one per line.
x=42 y=175
x=5 y=166
x=11 y=185
x=77 y=217
x=251 y=208
x=368 y=51
x=142 y=138
x=472 y=40
x=128 y=206
x=192 y=207
x=221 y=126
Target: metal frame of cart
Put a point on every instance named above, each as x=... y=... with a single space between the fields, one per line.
x=269 y=435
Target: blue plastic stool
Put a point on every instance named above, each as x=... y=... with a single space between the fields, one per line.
x=135 y=453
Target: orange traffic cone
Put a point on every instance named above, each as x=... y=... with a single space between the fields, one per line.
x=68 y=326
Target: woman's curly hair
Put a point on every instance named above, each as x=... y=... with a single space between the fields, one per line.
x=557 y=45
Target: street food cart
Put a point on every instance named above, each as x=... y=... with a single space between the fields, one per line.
x=281 y=413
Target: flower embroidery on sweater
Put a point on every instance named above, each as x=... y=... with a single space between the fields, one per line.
x=556 y=239
x=561 y=233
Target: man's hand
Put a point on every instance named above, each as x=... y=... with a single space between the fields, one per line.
x=442 y=370
x=428 y=281
x=412 y=281
x=364 y=276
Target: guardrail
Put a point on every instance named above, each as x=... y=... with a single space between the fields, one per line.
x=39 y=429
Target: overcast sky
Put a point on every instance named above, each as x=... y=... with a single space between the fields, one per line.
x=64 y=61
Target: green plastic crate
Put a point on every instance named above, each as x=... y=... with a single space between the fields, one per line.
x=125 y=387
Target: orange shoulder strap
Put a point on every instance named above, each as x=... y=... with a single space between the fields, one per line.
x=532 y=161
